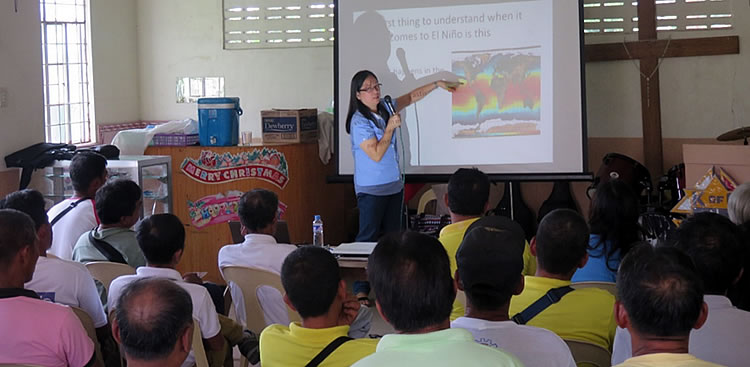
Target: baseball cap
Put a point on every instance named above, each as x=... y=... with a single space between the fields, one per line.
x=490 y=258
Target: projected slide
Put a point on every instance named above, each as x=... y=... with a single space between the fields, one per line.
x=500 y=94
x=519 y=107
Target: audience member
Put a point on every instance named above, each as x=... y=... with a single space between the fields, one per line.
x=72 y=217
x=118 y=205
x=467 y=200
x=660 y=299
x=739 y=213
x=490 y=265
x=314 y=288
x=258 y=215
x=614 y=228
x=161 y=237
x=57 y=280
x=414 y=292
x=713 y=244
x=36 y=332
x=581 y=314
x=154 y=323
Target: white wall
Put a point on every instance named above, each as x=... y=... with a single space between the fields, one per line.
x=178 y=38
x=22 y=122
x=115 y=60
x=701 y=97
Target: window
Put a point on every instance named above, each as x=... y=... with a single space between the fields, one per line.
x=66 y=71
x=612 y=16
x=189 y=89
x=251 y=24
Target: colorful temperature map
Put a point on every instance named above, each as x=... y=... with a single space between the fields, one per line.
x=500 y=94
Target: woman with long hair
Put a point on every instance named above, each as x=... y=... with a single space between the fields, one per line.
x=613 y=221
x=377 y=176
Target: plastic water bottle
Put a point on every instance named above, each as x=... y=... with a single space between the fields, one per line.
x=318 y=231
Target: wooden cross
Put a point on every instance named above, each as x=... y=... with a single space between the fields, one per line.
x=648 y=49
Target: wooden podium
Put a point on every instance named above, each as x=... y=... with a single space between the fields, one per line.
x=699 y=158
x=306 y=193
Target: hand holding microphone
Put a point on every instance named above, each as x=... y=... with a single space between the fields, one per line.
x=395 y=120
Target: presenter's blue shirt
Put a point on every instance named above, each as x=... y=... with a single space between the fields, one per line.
x=370 y=177
x=596 y=269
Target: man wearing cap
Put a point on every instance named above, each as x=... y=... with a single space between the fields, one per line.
x=468 y=199
x=584 y=314
x=490 y=264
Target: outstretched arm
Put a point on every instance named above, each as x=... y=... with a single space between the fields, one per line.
x=421 y=92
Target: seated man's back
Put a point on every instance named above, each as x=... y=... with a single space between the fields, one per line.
x=118 y=206
x=68 y=283
x=41 y=333
x=296 y=346
x=203 y=308
x=583 y=314
x=257 y=211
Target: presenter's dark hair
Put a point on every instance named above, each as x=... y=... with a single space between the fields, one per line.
x=614 y=217
x=86 y=167
x=715 y=245
x=410 y=275
x=258 y=208
x=561 y=241
x=27 y=201
x=356 y=105
x=117 y=199
x=468 y=191
x=16 y=233
x=160 y=236
x=152 y=314
x=310 y=276
x=660 y=289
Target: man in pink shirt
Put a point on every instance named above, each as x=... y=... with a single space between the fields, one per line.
x=41 y=333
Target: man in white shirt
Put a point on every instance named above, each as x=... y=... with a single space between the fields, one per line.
x=56 y=280
x=490 y=272
x=88 y=172
x=660 y=300
x=161 y=237
x=258 y=215
x=714 y=245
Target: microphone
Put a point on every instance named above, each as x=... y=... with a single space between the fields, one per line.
x=389 y=105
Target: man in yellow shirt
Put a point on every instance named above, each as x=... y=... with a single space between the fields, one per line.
x=314 y=288
x=467 y=200
x=660 y=302
x=582 y=314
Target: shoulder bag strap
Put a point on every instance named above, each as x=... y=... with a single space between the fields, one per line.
x=106 y=249
x=328 y=350
x=69 y=208
x=548 y=299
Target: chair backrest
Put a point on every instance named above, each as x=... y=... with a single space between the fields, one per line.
x=607 y=286
x=426 y=197
x=88 y=325
x=589 y=354
x=249 y=280
x=106 y=272
x=198 y=351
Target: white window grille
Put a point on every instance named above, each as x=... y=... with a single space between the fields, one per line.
x=255 y=24
x=66 y=71
x=610 y=16
x=189 y=89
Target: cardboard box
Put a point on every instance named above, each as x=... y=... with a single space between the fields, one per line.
x=289 y=126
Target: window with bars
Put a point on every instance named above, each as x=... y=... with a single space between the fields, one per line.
x=608 y=17
x=66 y=71
x=252 y=24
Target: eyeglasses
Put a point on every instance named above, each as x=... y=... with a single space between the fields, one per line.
x=375 y=87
